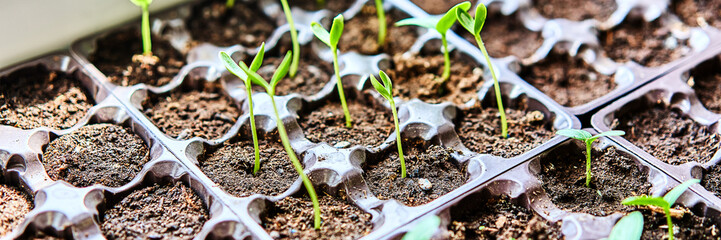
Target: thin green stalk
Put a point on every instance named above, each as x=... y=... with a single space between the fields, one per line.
x=296 y=164
x=145 y=29
x=588 y=163
x=252 y=129
x=229 y=3
x=669 y=223
x=293 y=38
x=496 y=86
x=348 y=120
x=446 y=58
x=381 y=23
x=398 y=139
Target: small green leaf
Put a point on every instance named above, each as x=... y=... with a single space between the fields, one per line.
x=254 y=77
x=258 y=59
x=424 y=230
x=449 y=18
x=336 y=30
x=281 y=71
x=382 y=90
x=320 y=33
x=232 y=67
x=386 y=81
x=574 y=133
x=676 y=192
x=481 y=14
x=646 y=201
x=629 y=227
x=465 y=20
x=429 y=22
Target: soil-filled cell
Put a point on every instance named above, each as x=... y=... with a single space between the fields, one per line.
x=371 y=125
x=104 y=154
x=35 y=97
x=292 y=218
x=576 y=10
x=171 y=211
x=649 y=44
x=431 y=173
x=706 y=82
x=185 y=113
x=14 y=204
x=360 y=33
x=244 y=24
x=697 y=13
x=506 y=36
x=437 y=7
x=115 y=53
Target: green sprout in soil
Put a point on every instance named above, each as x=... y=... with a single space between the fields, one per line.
x=381 y=23
x=629 y=227
x=229 y=3
x=441 y=25
x=331 y=39
x=588 y=139
x=145 y=25
x=293 y=38
x=664 y=202
x=270 y=89
x=236 y=70
x=474 y=26
x=424 y=230
x=386 y=90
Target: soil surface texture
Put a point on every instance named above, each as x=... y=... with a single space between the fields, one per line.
x=505 y=36
x=649 y=44
x=420 y=77
x=244 y=24
x=334 y=6
x=576 y=10
x=614 y=177
x=104 y=154
x=292 y=218
x=567 y=80
x=35 y=97
x=689 y=226
x=668 y=135
x=114 y=57
x=711 y=180
x=698 y=12
x=184 y=113
x=437 y=7
x=499 y=218
x=170 y=211
x=360 y=33
x=313 y=74
x=480 y=131
x=371 y=125
x=431 y=168
x=706 y=82
x=14 y=204
x=231 y=167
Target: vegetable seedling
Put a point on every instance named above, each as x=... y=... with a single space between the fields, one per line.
x=293 y=38
x=386 y=90
x=586 y=137
x=145 y=25
x=236 y=70
x=629 y=227
x=424 y=230
x=331 y=39
x=664 y=202
x=270 y=89
x=229 y=3
x=381 y=23
x=474 y=26
x=441 y=25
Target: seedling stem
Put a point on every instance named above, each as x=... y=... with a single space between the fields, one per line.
x=293 y=38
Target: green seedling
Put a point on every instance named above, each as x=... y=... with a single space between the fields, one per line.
x=331 y=39
x=145 y=25
x=229 y=3
x=424 y=230
x=381 y=23
x=293 y=38
x=441 y=25
x=386 y=90
x=270 y=89
x=664 y=202
x=629 y=227
x=236 y=70
x=474 y=26
x=588 y=139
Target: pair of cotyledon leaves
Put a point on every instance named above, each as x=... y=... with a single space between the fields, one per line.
x=444 y=23
x=249 y=73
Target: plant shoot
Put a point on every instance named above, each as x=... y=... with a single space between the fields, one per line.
x=441 y=25
x=386 y=90
x=229 y=3
x=145 y=25
x=381 y=23
x=629 y=227
x=293 y=38
x=664 y=202
x=586 y=137
x=331 y=39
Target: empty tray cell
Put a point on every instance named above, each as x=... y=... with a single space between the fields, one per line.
x=360 y=33
x=371 y=124
x=245 y=24
x=706 y=81
x=575 y=10
x=437 y=7
x=35 y=97
x=14 y=204
x=698 y=13
x=506 y=36
x=649 y=44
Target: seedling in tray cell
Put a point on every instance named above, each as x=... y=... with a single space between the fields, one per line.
x=229 y=3
x=424 y=230
x=664 y=202
x=386 y=90
x=441 y=25
x=586 y=137
x=147 y=56
x=331 y=39
x=293 y=37
x=270 y=89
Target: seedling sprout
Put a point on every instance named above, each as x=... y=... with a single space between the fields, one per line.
x=381 y=23
x=145 y=25
x=386 y=90
x=629 y=227
x=270 y=89
x=293 y=38
x=664 y=202
x=586 y=137
x=331 y=39
x=441 y=25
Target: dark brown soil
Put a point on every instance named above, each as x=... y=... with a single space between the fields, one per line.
x=711 y=180
x=689 y=226
x=104 y=154
x=437 y=7
x=570 y=82
x=668 y=135
x=244 y=24
x=14 y=204
x=576 y=10
x=231 y=167
x=371 y=126
x=114 y=57
x=420 y=76
x=185 y=113
x=335 y=6
x=641 y=42
x=170 y=211
x=505 y=36
x=292 y=218
x=313 y=74
x=34 y=97
x=706 y=82
x=361 y=33
x=614 y=177
x=499 y=218
x=480 y=131
x=698 y=12
x=433 y=163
